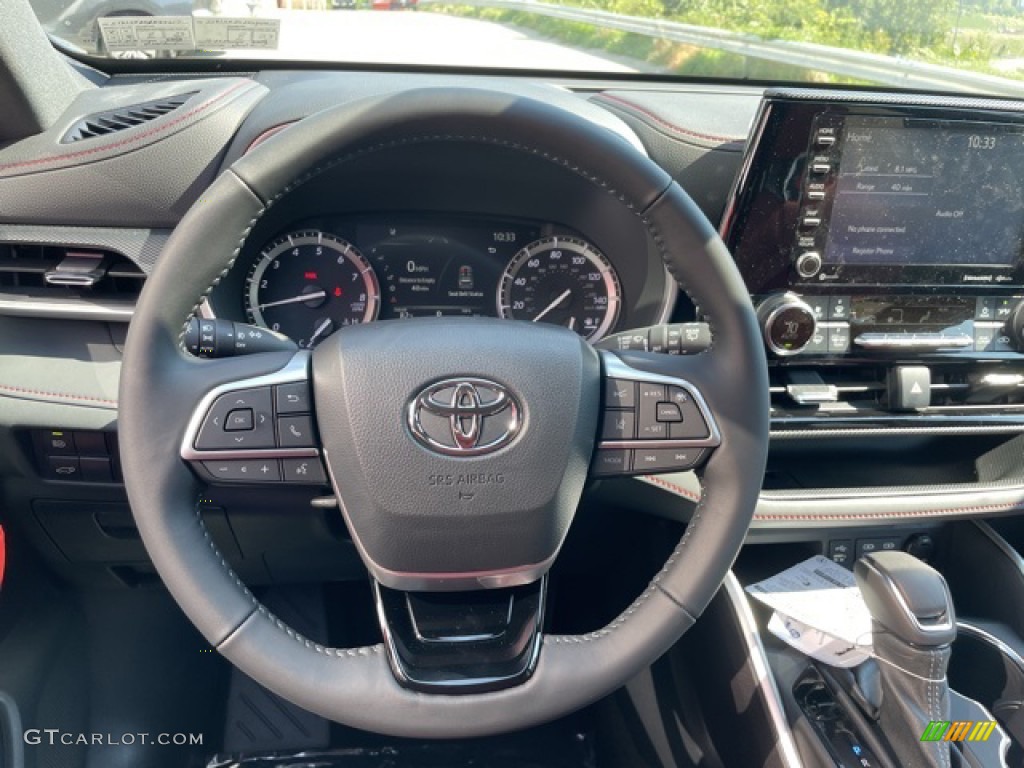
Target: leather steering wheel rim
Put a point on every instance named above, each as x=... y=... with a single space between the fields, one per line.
x=161 y=384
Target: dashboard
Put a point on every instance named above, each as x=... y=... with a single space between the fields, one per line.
x=320 y=276
x=898 y=355
x=351 y=246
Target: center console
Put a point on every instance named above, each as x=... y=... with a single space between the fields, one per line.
x=882 y=244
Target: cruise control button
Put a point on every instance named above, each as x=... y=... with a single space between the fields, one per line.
x=619 y=393
x=618 y=425
x=692 y=427
x=303 y=471
x=648 y=427
x=669 y=412
x=612 y=461
x=214 y=434
x=248 y=471
x=294 y=398
x=666 y=459
x=239 y=420
x=295 y=432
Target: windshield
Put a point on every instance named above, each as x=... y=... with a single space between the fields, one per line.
x=968 y=46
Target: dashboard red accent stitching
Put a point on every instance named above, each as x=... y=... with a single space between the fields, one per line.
x=662 y=121
x=677 y=489
x=267 y=134
x=895 y=515
x=131 y=140
x=685 y=493
x=54 y=395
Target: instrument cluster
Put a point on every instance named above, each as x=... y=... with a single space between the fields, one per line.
x=311 y=280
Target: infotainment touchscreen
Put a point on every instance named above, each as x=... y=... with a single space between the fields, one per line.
x=927 y=192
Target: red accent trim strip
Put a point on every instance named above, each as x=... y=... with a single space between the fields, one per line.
x=662 y=121
x=269 y=133
x=133 y=139
x=676 y=489
x=819 y=518
x=3 y=555
x=15 y=391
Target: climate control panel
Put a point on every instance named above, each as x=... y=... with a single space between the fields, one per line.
x=876 y=324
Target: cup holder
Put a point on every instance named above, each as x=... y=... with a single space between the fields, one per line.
x=985 y=668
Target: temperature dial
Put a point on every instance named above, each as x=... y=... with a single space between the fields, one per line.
x=788 y=323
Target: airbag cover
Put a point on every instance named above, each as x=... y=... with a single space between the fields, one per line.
x=495 y=511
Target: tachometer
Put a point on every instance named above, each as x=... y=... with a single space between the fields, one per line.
x=562 y=280
x=307 y=284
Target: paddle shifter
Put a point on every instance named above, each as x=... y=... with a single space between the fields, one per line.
x=913 y=627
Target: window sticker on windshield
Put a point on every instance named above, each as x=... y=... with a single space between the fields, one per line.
x=147 y=33
x=221 y=34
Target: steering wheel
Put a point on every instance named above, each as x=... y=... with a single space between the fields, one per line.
x=458 y=448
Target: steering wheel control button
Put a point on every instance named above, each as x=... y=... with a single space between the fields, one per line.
x=648 y=426
x=666 y=460
x=619 y=425
x=303 y=471
x=669 y=413
x=293 y=398
x=613 y=461
x=244 y=471
x=64 y=468
x=619 y=394
x=692 y=425
x=239 y=420
x=295 y=432
x=216 y=433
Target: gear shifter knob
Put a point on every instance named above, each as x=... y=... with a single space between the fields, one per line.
x=907 y=597
x=913 y=629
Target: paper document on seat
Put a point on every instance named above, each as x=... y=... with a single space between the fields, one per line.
x=817 y=644
x=820 y=594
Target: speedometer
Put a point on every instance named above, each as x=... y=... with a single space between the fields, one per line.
x=307 y=284
x=562 y=280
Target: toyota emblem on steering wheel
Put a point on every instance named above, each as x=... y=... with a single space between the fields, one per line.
x=465 y=417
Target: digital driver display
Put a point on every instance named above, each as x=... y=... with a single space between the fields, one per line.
x=923 y=193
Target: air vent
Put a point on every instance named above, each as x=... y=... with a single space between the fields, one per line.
x=115 y=120
x=65 y=281
x=841 y=391
x=827 y=391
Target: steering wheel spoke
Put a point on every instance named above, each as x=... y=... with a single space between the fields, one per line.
x=257 y=430
x=462 y=642
x=652 y=421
